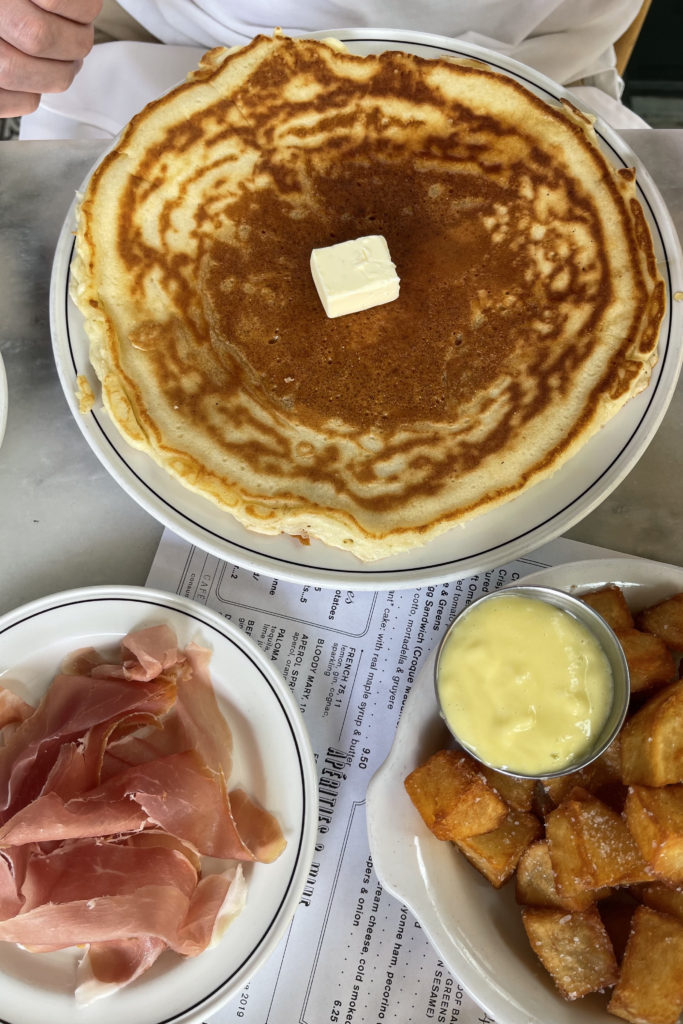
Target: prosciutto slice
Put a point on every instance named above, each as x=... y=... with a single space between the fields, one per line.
x=145 y=654
x=112 y=791
x=49 y=819
x=108 y=966
x=11 y=901
x=205 y=728
x=92 y=869
x=13 y=709
x=195 y=723
x=71 y=706
x=259 y=830
x=151 y=910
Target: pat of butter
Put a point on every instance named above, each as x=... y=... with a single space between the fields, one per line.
x=354 y=275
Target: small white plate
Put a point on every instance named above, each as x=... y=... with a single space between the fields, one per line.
x=272 y=759
x=4 y=401
x=501 y=535
x=476 y=929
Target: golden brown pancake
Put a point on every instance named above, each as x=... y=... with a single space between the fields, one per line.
x=529 y=309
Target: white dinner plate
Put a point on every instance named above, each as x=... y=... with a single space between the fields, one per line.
x=4 y=401
x=521 y=525
x=476 y=929
x=272 y=760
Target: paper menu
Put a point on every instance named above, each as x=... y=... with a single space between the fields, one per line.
x=353 y=954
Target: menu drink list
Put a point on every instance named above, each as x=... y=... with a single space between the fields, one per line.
x=353 y=954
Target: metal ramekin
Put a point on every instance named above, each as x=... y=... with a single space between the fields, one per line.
x=621 y=684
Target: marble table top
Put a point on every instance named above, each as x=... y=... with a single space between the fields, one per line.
x=64 y=522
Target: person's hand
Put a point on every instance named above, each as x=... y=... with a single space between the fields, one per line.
x=42 y=45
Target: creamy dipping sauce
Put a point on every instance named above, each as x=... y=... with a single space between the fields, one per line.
x=524 y=685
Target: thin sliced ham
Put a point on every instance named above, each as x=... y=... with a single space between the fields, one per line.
x=82 y=662
x=71 y=706
x=156 y=910
x=11 y=900
x=146 y=654
x=144 y=745
x=178 y=793
x=49 y=818
x=205 y=728
x=181 y=795
x=216 y=900
x=195 y=723
x=112 y=791
x=108 y=966
x=13 y=708
x=91 y=869
x=259 y=830
x=78 y=766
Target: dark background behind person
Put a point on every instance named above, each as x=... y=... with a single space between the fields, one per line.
x=654 y=74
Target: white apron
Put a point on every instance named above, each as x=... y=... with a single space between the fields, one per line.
x=571 y=41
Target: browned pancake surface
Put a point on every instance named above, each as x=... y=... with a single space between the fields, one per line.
x=528 y=312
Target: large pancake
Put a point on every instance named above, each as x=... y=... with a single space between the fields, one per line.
x=529 y=308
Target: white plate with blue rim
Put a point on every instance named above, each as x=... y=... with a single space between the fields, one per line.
x=273 y=761
x=533 y=518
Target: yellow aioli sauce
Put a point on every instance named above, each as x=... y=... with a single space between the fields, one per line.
x=524 y=685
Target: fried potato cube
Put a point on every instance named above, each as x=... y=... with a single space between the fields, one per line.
x=453 y=798
x=650 y=985
x=602 y=777
x=655 y=820
x=665 y=620
x=650 y=662
x=517 y=793
x=535 y=882
x=591 y=847
x=652 y=740
x=610 y=602
x=666 y=898
x=573 y=947
x=496 y=854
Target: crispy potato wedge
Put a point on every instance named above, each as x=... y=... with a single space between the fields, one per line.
x=650 y=985
x=591 y=847
x=665 y=620
x=573 y=947
x=517 y=793
x=453 y=798
x=652 y=740
x=601 y=777
x=535 y=882
x=650 y=662
x=660 y=896
x=496 y=854
x=610 y=602
x=655 y=820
